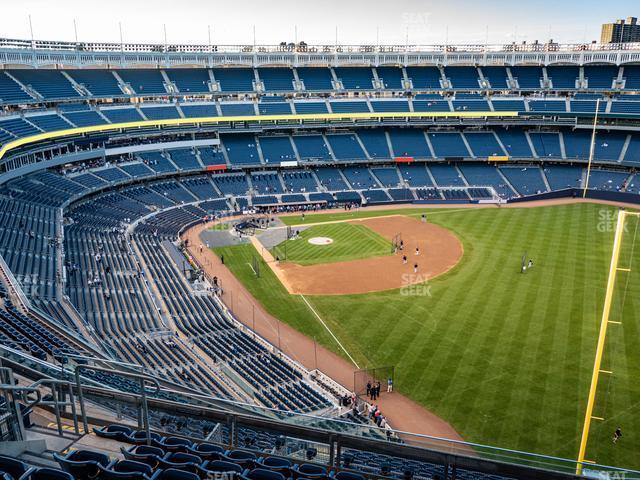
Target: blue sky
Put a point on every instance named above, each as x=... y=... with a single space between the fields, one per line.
x=357 y=21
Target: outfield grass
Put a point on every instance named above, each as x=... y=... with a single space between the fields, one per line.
x=505 y=357
x=350 y=242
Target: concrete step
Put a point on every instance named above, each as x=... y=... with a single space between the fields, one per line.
x=44 y=459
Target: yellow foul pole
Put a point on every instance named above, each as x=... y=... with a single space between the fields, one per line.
x=601 y=339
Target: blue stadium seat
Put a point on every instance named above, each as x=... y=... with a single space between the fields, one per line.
x=277 y=79
x=241 y=149
x=390 y=106
x=483 y=144
x=355 y=78
x=425 y=78
x=121 y=115
x=125 y=470
x=348 y=106
x=49 y=123
x=631 y=75
x=100 y=83
x=515 y=142
x=526 y=180
x=600 y=77
x=528 y=78
x=303 y=107
x=82 y=464
x=346 y=147
x=51 y=84
x=189 y=80
x=448 y=145
x=277 y=149
x=392 y=78
x=160 y=112
x=235 y=79
x=11 y=92
x=144 y=82
x=463 y=78
x=316 y=79
x=199 y=110
x=409 y=143
x=375 y=143
x=46 y=474
x=496 y=76
x=311 y=147
x=563 y=77
x=237 y=109
x=547 y=145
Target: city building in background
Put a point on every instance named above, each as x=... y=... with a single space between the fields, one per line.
x=622 y=31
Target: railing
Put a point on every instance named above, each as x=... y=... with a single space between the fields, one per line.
x=304 y=426
x=143 y=379
x=304 y=48
x=333 y=437
x=13 y=284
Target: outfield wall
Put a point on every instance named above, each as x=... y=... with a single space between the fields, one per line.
x=622 y=197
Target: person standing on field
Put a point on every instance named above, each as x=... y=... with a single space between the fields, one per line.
x=617 y=435
x=389 y=385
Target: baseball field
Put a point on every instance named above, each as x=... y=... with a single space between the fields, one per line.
x=506 y=357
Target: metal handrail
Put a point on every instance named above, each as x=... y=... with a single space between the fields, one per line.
x=9 y=394
x=143 y=419
x=56 y=389
x=56 y=403
x=103 y=360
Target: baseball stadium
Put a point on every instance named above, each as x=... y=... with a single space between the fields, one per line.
x=349 y=261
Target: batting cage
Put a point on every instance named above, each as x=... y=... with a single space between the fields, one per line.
x=396 y=242
x=372 y=375
x=255 y=265
x=279 y=251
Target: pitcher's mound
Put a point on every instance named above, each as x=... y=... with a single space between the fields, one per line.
x=320 y=241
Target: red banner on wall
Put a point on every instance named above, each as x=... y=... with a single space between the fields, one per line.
x=216 y=168
x=403 y=159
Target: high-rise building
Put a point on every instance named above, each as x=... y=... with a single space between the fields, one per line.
x=621 y=31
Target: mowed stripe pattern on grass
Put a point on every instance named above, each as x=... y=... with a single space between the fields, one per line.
x=350 y=242
x=505 y=357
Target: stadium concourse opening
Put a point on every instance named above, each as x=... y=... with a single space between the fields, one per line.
x=422 y=252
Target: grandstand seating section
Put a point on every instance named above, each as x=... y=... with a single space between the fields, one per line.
x=32 y=85
x=235 y=79
x=144 y=82
x=96 y=240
